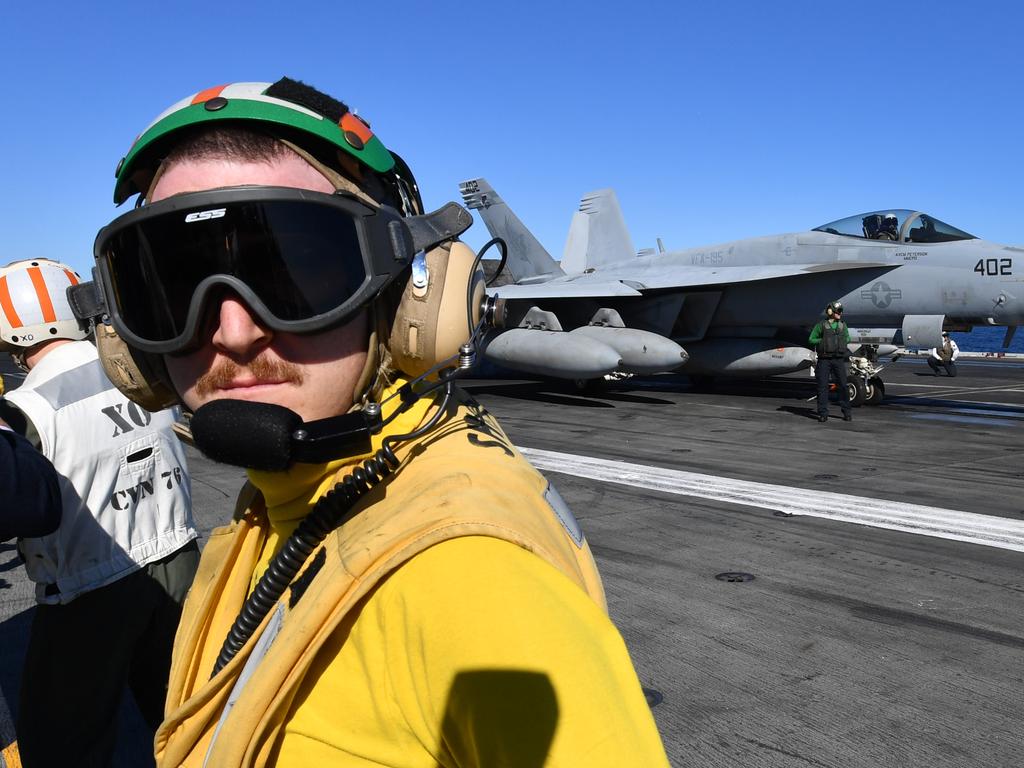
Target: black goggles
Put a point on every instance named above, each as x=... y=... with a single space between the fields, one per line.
x=302 y=261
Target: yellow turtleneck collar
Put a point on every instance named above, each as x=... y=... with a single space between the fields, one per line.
x=291 y=494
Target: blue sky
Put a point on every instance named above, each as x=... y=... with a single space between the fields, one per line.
x=712 y=121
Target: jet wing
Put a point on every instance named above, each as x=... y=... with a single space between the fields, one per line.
x=641 y=278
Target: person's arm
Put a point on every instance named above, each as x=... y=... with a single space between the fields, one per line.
x=28 y=486
x=846 y=333
x=955 y=348
x=815 y=338
x=935 y=353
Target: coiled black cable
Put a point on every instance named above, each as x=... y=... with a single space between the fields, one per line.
x=327 y=514
x=503 y=247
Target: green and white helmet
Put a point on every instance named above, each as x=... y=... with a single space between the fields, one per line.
x=287 y=109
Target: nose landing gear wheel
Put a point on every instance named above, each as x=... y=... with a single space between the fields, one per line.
x=874 y=392
x=856 y=389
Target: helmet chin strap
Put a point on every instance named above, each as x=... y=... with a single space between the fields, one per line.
x=19 y=358
x=20 y=355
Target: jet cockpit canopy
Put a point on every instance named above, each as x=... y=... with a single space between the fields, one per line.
x=899 y=225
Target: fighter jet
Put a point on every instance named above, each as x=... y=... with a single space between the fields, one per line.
x=740 y=308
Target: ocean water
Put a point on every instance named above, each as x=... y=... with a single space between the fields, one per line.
x=988 y=340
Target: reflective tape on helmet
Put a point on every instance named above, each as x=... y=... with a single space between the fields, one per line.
x=33 y=302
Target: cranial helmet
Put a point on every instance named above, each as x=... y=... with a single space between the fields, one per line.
x=33 y=304
x=413 y=329
x=890 y=225
x=834 y=308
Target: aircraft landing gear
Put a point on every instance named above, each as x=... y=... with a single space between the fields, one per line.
x=856 y=390
x=874 y=391
x=863 y=383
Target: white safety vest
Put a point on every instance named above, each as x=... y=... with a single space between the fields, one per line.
x=124 y=484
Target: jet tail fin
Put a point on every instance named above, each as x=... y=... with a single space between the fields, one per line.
x=526 y=256
x=597 y=234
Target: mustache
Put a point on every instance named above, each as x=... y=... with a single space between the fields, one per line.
x=261 y=368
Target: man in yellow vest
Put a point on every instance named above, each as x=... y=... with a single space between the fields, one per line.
x=398 y=587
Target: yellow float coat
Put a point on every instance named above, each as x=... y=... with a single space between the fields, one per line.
x=458 y=619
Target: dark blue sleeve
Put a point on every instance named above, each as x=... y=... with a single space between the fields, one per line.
x=29 y=494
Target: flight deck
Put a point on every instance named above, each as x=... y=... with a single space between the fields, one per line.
x=792 y=593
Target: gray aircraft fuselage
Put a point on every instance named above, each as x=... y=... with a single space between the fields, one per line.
x=744 y=307
x=971 y=282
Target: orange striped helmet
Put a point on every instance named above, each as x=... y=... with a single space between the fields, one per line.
x=34 y=305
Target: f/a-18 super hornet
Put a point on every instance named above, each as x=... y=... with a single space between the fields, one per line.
x=740 y=308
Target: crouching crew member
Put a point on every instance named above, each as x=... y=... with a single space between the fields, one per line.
x=944 y=357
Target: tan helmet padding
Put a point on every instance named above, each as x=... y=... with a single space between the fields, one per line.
x=338 y=180
x=431 y=324
x=131 y=372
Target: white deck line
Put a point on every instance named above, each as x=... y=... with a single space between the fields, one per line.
x=987 y=530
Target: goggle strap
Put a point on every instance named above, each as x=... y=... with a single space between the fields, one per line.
x=446 y=223
x=86 y=301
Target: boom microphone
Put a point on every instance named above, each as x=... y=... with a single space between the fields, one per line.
x=270 y=437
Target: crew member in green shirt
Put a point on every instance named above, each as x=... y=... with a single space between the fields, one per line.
x=830 y=339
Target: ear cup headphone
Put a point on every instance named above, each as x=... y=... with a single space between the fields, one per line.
x=140 y=376
x=433 y=318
